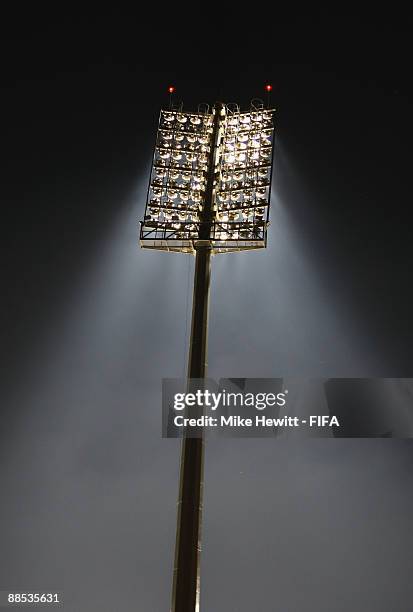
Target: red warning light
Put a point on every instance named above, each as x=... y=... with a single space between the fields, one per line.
x=268 y=88
x=171 y=89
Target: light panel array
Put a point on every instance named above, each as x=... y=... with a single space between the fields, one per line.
x=178 y=180
x=244 y=185
x=242 y=180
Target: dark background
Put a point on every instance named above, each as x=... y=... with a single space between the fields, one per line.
x=90 y=324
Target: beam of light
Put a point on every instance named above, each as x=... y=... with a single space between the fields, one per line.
x=283 y=319
x=86 y=457
x=286 y=500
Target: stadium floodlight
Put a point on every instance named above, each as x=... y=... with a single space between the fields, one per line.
x=241 y=163
x=209 y=192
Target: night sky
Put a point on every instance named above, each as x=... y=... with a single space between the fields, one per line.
x=91 y=323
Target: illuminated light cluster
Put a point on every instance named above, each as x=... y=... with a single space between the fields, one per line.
x=178 y=178
x=243 y=189
x=242 y=183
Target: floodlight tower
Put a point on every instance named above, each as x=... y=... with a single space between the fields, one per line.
x=209 y=192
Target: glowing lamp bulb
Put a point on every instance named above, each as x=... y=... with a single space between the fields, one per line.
x=268 y=88
x=171 y=89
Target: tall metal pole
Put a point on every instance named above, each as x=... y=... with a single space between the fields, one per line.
x=186 y=580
